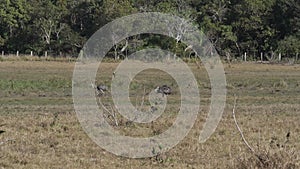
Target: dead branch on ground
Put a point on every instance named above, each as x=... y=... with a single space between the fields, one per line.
x=239 y=129
x=111 y=113
x=258 y=156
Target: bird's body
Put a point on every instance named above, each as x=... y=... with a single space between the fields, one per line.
x=164 y=89
x=101 y=89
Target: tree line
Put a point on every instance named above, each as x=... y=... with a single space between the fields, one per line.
x=62 y=27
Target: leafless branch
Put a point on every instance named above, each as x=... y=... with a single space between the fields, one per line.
x=125 y=46
x=111 y=113
x=258 y=156
x=143 y=100
x=271 y=58
x=47 y=28
x=58 y=29
x=239 y=129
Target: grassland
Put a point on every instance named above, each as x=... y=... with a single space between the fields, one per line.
x=40 y=128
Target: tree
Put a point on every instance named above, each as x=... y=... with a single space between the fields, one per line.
x=216 y=23
x=286 y=21
x=117 y=8
x=251 y=23
x=13 y=20
x=290 y=46
x=233 y=26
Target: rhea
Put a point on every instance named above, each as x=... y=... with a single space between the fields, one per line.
x=100 y=89
x=164 y=90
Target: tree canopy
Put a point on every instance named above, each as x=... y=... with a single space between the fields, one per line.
x=62 y=27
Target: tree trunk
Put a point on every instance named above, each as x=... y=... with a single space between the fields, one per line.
x=116 y=53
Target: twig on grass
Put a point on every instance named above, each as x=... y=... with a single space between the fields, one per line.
x=239 y=129
x=7 y=140
x=258 y=156
x=111 y=113
x=143 y=99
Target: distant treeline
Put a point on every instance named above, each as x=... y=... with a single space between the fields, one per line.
x=61 y=27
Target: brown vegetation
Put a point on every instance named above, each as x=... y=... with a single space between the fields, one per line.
x=42 y=131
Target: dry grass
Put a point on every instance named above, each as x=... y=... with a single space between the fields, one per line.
x=42 y=131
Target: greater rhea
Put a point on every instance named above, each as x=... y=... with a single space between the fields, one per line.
x=100 y=89
x=164 y=90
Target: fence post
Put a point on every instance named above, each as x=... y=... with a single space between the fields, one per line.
x=279 y=57
x=17 y=53
x=31 y=53
x=261 y=56
x=80 y=56
x=46 y=53
x=2 y=53
x=297 y=54
x=245 y=57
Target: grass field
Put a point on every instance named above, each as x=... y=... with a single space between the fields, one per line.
x=40 y=129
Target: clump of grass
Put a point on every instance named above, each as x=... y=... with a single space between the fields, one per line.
x=191 y=60
x=134 y=85
x=230 y=86
x=110 y=60
x=282 y=84
x=274 y=157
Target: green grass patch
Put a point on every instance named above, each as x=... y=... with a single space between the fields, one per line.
x=43 y=85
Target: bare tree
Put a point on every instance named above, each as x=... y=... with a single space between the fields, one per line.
x=116 y=46
x=47 y=27
x=180 y=27
x=58 y=29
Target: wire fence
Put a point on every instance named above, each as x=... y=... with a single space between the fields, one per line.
x=267 y=56
x=243 y=56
